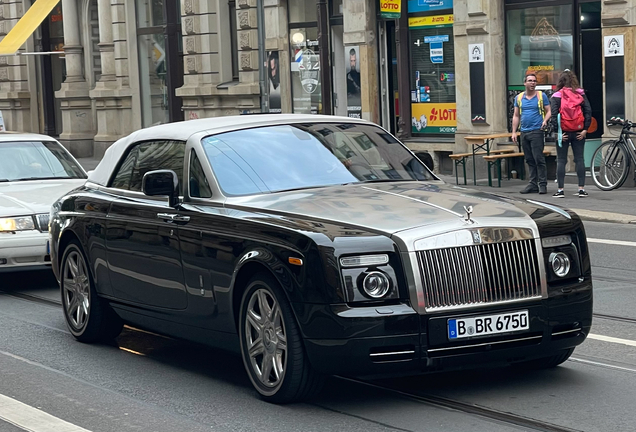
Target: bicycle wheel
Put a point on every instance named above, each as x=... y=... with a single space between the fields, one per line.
x=610 y=166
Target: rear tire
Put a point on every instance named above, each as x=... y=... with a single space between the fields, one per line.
x=610 y=166
x=272 y=346
x=546 y=362
x=88 y=317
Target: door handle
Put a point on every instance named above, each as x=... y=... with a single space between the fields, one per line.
x=168 y=217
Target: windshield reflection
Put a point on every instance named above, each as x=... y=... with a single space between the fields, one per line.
x=21 y=161
x=290 y=157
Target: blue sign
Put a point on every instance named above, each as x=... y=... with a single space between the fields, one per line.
x=429 y=5
x=437 y=52
x=440 y=38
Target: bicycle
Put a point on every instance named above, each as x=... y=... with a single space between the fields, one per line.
x=614 y=160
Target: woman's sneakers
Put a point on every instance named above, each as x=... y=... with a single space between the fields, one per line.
x=581 y=194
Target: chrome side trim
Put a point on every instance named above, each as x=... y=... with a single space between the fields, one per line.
x=576 y=330
x=484 y=344
x=391 y=353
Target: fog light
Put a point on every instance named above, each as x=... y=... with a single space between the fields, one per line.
x=560 y=263
x=376 y=284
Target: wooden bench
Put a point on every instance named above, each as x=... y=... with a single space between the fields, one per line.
x=460 y=159
x=495 y=160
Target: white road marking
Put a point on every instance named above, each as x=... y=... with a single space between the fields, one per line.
x=612 y=339
x=593 y=363
x=612 y=242
x=32 y=419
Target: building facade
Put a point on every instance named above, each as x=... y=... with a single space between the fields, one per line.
x=430 y=71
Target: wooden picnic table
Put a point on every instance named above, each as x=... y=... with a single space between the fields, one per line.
x=484 y=143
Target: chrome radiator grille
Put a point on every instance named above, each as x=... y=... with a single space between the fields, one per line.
x=43 y=222
x=479 y=274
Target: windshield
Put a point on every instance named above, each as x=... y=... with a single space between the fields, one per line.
x=35 y=161
x=278 y=158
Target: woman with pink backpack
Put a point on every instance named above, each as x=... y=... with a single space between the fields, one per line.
x=571 y=116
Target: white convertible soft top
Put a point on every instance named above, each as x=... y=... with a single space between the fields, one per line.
x=181 y=131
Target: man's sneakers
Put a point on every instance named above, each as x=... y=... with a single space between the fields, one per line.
x=530 y=189
x=582 y=193
x=559 y=194
x=543 y=189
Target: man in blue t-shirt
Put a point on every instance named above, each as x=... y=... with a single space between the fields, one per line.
x=533 y=116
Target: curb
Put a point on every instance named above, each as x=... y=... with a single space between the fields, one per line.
x=599 y=216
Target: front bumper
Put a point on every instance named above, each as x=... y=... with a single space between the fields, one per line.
x=381 y=345
x=24 y=249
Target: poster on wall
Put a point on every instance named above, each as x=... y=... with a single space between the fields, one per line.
x=429 y=5
x=614 y=46
x=390 y=9
x=305 y=72
x=434 y=118
x=354 y=93
x=273 y=74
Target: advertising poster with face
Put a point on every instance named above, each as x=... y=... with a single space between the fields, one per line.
x=354 y=95
x=273 y=78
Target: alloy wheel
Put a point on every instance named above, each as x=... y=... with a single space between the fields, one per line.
x=76 y=290
x=266 y=339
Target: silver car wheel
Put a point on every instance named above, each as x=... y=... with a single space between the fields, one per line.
x=76 y=289
x=266 y=338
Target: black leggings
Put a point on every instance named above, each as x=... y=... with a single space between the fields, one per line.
x=578 y=147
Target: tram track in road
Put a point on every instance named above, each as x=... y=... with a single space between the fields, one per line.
x=464 y=407
x=33 y=298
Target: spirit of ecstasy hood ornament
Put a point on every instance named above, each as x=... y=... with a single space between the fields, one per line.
x=469 y=212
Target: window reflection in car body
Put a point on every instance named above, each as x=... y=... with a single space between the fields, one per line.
x=278 y=158
x=30 y=160
x=142 y=250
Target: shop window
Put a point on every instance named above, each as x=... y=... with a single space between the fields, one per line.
x=305 y=70
x=432 y=83
x=303 y=11
x=539 y=41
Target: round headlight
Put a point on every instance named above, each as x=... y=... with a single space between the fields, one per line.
x=560 y=263
x=376 y=284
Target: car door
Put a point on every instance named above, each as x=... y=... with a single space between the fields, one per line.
x=208 y=254
x=142 y=238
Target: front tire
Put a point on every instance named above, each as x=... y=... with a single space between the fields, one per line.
x=88 y=317
x=271 y=344
x=546 y=362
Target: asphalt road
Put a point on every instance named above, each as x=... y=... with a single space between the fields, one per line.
x=151 y=383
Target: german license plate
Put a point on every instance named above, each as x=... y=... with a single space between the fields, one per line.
x=485 y=325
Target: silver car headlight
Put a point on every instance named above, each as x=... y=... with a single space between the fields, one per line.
x=369 y=278
x=18 y=223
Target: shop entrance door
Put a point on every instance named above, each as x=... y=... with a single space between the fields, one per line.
x=591 y=57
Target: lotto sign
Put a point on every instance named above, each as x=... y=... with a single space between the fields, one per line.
x=434 y=118
x=390 y=9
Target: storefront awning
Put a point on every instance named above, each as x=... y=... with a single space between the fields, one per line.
x=26 y=26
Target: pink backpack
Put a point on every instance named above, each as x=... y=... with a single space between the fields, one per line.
x=572 y=119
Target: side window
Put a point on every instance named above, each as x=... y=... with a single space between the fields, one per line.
x=156 y=155
x=199 y=186
x=122 y=178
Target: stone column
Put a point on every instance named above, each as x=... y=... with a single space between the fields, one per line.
x=112 y=93
x=77 y=117
x=359 y=29
x=480 y=21
x=15 y=83
x=209 y=89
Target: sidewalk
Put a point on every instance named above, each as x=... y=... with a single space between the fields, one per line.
x=618 y=206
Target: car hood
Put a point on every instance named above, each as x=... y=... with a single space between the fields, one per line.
x=395 y=207
x=32 y=197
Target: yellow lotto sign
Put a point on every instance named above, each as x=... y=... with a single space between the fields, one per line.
x=390 y=8
x=434 y=117
x=430 y=21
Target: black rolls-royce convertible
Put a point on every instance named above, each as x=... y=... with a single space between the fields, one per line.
x=315 y=245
